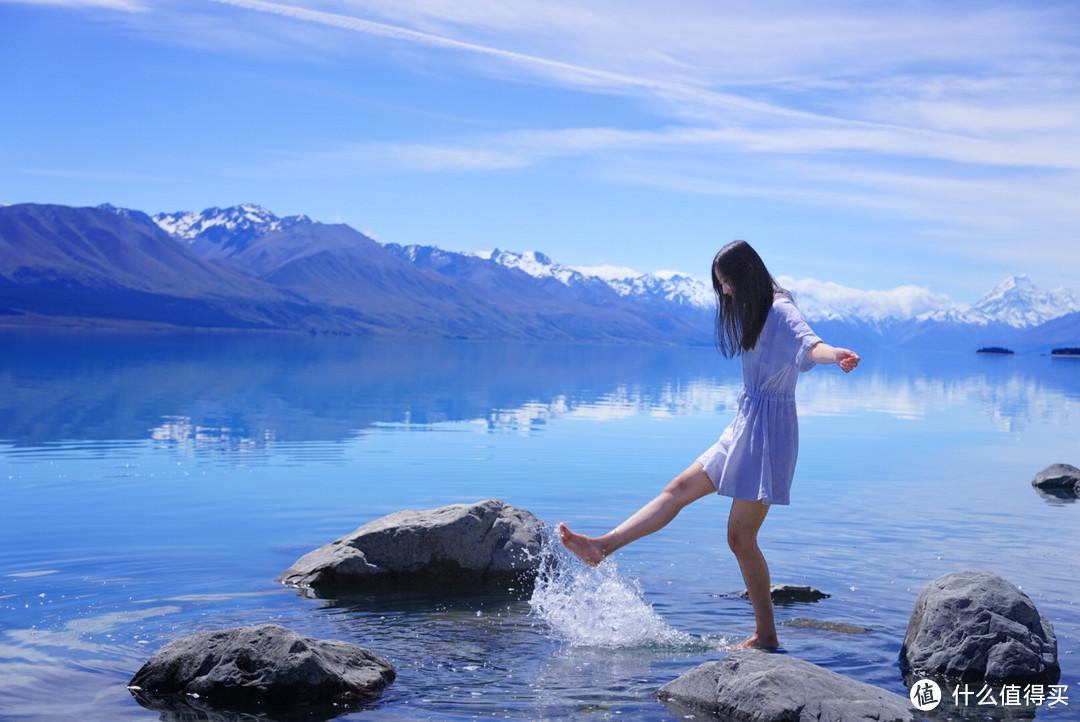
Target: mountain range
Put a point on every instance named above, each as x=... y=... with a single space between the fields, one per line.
x=243 y=267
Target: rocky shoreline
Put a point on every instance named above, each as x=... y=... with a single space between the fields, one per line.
x=966 y=626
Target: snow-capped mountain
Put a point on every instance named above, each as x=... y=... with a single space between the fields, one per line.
x=1019 y=303
x=1015 y=303
x=672 y=287
x=246 y=217
x=667 y=287
x=224 y=230
x=663 y=305
x=534 y=263
x=554 y=278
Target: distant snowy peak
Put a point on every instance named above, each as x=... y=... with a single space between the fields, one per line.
x=662 y=286
x=246 y=219
x=535 y=264
x=1016 y=301
x=1019 y=303
x=669 y=286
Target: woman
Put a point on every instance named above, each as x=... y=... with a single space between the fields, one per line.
x=753 y=462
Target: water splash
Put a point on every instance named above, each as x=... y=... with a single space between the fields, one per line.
x=597 y=606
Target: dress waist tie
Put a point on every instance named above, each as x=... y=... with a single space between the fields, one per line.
x=756 y=394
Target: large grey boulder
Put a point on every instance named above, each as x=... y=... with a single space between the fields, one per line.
x=754 y=686
x=462 y=546
x=260 y=668
x=974 y=625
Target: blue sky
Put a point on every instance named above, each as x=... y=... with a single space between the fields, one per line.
x=874 y=145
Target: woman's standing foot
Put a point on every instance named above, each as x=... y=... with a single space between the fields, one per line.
x=756 y=642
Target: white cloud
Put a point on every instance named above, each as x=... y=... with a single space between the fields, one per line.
x=608 y=272
x=960 y=117
x=668 y=274
x=822 y=300
x=775 y=78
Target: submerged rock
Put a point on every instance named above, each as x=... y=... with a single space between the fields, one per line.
x=791 y=593
x=826 y=626
x=754 y=686
x=974 y=625
x=457 y=546
x=260 y=668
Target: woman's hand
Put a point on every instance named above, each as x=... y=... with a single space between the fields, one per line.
x=823 y=353
x=846 y=360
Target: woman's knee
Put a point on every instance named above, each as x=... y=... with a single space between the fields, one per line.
x=689 y=486
x=740 y=539
x=744 y=521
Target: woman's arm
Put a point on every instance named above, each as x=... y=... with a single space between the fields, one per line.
x=823 y=353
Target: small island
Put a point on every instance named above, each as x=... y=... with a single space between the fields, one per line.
x=1071 y=351
x=998 y=350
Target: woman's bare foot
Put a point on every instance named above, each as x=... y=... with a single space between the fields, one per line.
x=755 y=642
x=584 y=548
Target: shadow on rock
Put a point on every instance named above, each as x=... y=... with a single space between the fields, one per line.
x=264 y=672
x=174 y=708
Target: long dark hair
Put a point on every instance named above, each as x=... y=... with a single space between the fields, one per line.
x=741 y=316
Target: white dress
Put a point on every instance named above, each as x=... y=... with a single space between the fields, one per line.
x=754 y=458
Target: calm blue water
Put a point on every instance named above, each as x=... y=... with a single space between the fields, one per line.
x=154 y=486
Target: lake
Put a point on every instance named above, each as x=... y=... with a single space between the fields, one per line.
x=155 y=485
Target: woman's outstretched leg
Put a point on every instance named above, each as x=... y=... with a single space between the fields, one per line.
x=743 y=523
x=687 y=487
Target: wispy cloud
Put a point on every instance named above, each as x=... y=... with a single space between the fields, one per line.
x=961 y=121
x=569 y=73
x=791 y=101
x=360 y=25
x=525 y=147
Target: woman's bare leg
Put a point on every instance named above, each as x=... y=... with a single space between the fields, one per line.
x=743 y=523
x=687 y=487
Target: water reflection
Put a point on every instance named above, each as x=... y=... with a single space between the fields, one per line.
x=176 y=708
x=1058 y=496
x=238 y=394
x=119 y=548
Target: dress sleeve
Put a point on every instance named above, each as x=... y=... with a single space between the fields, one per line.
x=796 y=335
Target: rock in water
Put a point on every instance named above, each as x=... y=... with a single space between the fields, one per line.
x=1063 y=477
x=266 y=667
x=974 y=625
x=826 y=626
x=457 y=546
x=754 y=686
x=791 y=593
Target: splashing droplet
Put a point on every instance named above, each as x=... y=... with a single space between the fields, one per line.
x=596 y=606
